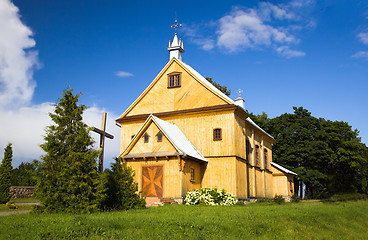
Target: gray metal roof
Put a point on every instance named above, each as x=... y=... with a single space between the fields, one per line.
x=282 y=168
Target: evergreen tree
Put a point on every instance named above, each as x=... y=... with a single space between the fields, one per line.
x=68 y=180
x=119 y=189
x=25 y=174
x=5 y=174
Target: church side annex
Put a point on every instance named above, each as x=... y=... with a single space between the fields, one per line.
x=182 y=133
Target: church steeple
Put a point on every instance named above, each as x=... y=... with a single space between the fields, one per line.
x=176 y=46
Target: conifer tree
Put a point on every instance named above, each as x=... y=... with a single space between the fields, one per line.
x=118 y=189
x=5 y=174
x=69 y=179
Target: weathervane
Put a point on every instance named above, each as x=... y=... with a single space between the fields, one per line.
x=176 y=25
x=239 y=92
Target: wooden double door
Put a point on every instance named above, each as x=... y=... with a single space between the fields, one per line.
x=152 y=181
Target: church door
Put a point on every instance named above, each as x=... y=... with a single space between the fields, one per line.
x=152 y=181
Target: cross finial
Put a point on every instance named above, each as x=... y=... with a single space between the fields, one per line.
x=176 y=25
x=239 y=92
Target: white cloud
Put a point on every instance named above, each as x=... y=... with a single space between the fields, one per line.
x=289 y=53
x=25 y=128
x=268 y=25
x=123 y=74
x=21 y=123
x=363 y=36
x=204 y=41
x=268 y=10
x=361 y=54
x=246 y=29
x=16 y=61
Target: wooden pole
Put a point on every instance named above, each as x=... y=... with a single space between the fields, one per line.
x=103 y=134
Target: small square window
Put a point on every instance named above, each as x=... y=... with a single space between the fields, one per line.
x=217 y=134
x=174 y=80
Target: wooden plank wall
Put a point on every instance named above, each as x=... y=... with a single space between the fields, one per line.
x=190 y=95
x=172 y=182
x=187 y=185
x=221 y=173
x=153 y=145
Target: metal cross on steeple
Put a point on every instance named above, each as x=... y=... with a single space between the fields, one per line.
x=176 y=25
x=239 y=92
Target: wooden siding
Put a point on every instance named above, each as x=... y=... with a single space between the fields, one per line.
x=160 y=98
x=241 y=179
x=153 y=145
x=172 y=176
x=187 y=184
x=221 y=173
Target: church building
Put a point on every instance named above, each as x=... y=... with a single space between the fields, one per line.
x=182 y=133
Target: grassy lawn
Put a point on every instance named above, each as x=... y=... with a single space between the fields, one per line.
x=306 y=220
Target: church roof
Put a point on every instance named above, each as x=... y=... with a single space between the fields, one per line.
x=282 y=169
x=259 y=128
x=215 y=89
x=172 y=132
x=207 y=83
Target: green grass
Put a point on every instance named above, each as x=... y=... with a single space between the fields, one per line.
x=305 y=220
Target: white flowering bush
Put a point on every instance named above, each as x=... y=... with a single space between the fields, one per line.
x=209 y=196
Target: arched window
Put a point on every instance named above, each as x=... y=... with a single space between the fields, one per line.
x=146 y=137
x=217 y=134
x=159 y=137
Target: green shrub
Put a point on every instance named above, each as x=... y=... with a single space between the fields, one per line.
x=279 y=199
x=346 y=197
x=118 y=189
x=209 y=196
x=295 y=198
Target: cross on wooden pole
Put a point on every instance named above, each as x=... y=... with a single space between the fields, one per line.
x=103 y=134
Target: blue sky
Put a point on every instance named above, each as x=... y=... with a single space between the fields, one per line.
x=282 y=54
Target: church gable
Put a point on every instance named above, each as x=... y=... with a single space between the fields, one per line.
x=150 y=139
x=177 y=87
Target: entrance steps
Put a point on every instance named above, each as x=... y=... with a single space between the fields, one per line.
x=156 y=201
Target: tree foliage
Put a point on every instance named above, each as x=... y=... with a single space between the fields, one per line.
x=223 y=89
x=119 y=191
x=5 y=174
x=69 y=179
x=25 y=174
x=327 y=156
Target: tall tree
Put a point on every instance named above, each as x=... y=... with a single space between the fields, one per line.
x=301 y=146
x=69 y=179
x=223 y=89
x=348 y=168
x=5 y=174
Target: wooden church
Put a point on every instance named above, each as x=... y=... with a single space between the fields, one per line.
x=182 y=134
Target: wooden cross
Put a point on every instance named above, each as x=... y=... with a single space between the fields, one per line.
x=103 y=134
